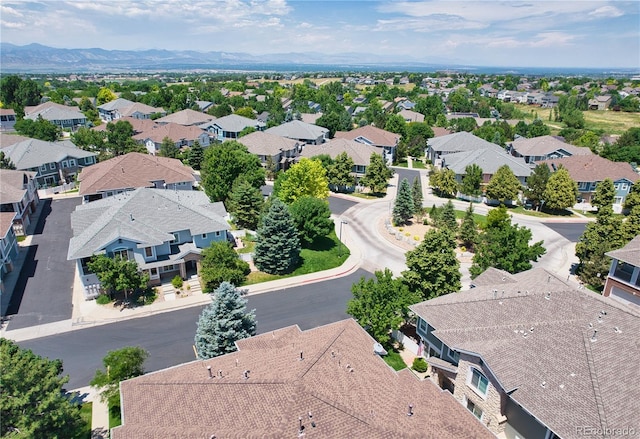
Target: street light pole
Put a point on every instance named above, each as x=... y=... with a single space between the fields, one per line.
x=340 y=237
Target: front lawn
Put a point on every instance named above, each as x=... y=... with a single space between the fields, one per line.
x=114 y=412
x=394 y=360
x=85 y=414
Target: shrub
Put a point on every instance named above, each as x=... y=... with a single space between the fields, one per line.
x=463 y=249
x=420 y=365
x=400 y=229
x=103 y=299
x=416 y=237
x=407 y=234
x=176 y=282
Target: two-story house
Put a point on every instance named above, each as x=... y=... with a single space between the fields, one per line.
x=359 y=152
x=163 y=231
x=53 y=162
x=589 y=170
x=533 y=356
x=7 y=119
x=181 y=136
x=121 y=107
x=186 y=117
x=438 y=147
x=306 y=133
x=623 y=281
x=541 y=148
x=229 y=127
x=374 y=136
x=8 y=246
x=63 y=116
x=281 y=150
x=131 y=171
x=19 y=195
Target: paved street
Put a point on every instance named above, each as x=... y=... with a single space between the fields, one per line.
x=43 y=292
x=169 y=336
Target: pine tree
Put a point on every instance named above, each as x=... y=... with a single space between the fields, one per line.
x=561 y=191
x=224 y=321
x=196 y=155
x=468 y=232
x=277 y=249
x=633 y=197
x=416 y=193
x=5 y=162
x=447 y=218
x=403 y=207
x=168 y=148
x=245 y=204
x=433 y=267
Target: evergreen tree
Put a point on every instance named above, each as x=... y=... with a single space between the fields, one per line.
x=168 y=148
x=631 y=225
x=468 y=232
x=223 y=322
x=605 y=194
x=471 y=181
x=504 y=246
x=503 y=185
x=277 y=249
x=633 y=197
x=33 y=402
x=416 y=194
x=312 y=218
x=339 y=172
x=434 y=215
x=221 y=263
x=561 y=191
x=433 y=269
x=377 y=175
x=245 y=204
x=536 y=185
x=447 y=218
x=403 y=207
x=5 y=162
x=195 y=155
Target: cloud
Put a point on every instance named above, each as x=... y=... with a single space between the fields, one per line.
x=8 y=10
x=606 y=12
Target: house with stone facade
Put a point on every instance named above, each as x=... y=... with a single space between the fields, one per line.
x=324 y=382
x=533 y=356
x=163 y=231
x=623 y=281
x=19 y=195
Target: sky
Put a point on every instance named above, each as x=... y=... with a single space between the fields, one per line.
x=571 y=33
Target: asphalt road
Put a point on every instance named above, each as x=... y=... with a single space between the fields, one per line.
x=570 y=231
x=43 y=292
x=168 y=337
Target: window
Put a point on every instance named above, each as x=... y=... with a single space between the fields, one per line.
x=176 y=238
x=72 y=162
x=478 y=382
x=64 y=164
x=218 y=233
x=422 y=324
x=204 y=235
x=148 y=252
x=153 y=273
x=43 y=167
x=474 y=409
x=121 y=253
x=52 y=166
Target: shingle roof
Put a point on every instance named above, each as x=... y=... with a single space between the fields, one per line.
x=33 y=153
x=132 y=170
x=12 y=188
x=340 y=385
x=630 y=253
x=173 y=131
x=543 y=145
x=594 y=168
x=492 y=276
x=53 y=111
x=412 y=116
x=262 y=143
x=156 y=213
x=138 y=107
x=138 y=125
x=540 y=329
x=376 y=136
x=186 y=117
x=116 y=104
x=7 y=112
x=6 y=222
x=360 y=153
x=458 y=142
x=233 y=123
x=489 y=159
x=11 y=139
x=296 y=129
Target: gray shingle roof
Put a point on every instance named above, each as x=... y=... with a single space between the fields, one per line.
x=263 y=143
x=116 y=104
x=540 y=329
x=489 y=159
x=32 y=153
x=630 y=253
x=458 y=142
x=296 y=129
x=12 y=188
x=543 y=145
x=53 y=111
x=232 y=123
x=147 y=216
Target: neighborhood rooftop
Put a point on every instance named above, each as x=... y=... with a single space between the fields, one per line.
x=544 y=145
x=33 y=153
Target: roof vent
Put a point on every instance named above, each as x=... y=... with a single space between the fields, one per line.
x=543 y=384
x=219 y=373
x=245 y=374
x=593 y=337
x=301 y=356
x=209 y=370
x=617 y=330
x=561 y=386
x=548 y=295
x=410 y=411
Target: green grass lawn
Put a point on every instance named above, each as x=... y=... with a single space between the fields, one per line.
x=114 y=412
x=417 y=164
x=327 y=253
x=394 y=360
x=85 y=414
x=480 y=219
x=402 y=164
x=369 y=195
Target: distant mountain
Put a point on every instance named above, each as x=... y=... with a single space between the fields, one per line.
x=38 y=58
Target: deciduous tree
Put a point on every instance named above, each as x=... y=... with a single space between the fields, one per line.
x=536 y=185
x=223 y=322
x=605 y=194
x=503 y=185
x=119 y=365
x=471 y=181
x=221 y=263
x=377 y=175
x=277 y=249
x=118 y=274
x=561 y=191
x=339 y=172
x=305 y=178
x=312 y=218
x=168 y=148
x=38 y=129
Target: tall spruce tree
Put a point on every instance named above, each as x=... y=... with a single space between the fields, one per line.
x=245 y=204
x=277 y=249
x=468 y=232
x=403 y=207
x=448 y=218
x=195 y=155
x=416 y=193
x=224 y=321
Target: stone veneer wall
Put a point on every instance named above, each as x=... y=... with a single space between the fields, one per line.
x=491 y=405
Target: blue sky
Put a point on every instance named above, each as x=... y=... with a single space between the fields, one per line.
x=573 y=33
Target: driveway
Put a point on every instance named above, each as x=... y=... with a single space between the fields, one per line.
x=43 y=292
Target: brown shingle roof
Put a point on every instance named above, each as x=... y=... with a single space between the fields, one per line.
x=261 y=143
x=10 y=139
x=6 y=222
x=360 y=153
x=130 y=171
x=138 y=125
x=540 y=329
x=173 y=131
x=346 y=388
x=377 y=136
x=543 y=145
x=186 y=117
x=12 y=188
x=594 y=168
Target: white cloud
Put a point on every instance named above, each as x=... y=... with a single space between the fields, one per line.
x=8 y=10
x=12 y=24
x=606 y=12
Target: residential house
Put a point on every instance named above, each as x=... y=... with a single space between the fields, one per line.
x=359 y=152
x=8 y=246
x=163 y=231
x=19 y=195
x=307 y=133
x=310 y=118
x=121 y=107
x=324 y=382
x=533 y=356
x=229 y=127
x=278 y=151
x=374 y=136
x=411 y=116
x=131 y=171
x=600 y=102
x=182 y=136
x=204 y=105
x=186 y=117
x=438 y=147
x=138 y=125
x=63 y=116
x=589 y=170
x=406 y=104
x=540 y=148
x=7 y=119
x=8 y=139
x=53 y=162
x=623 y=281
